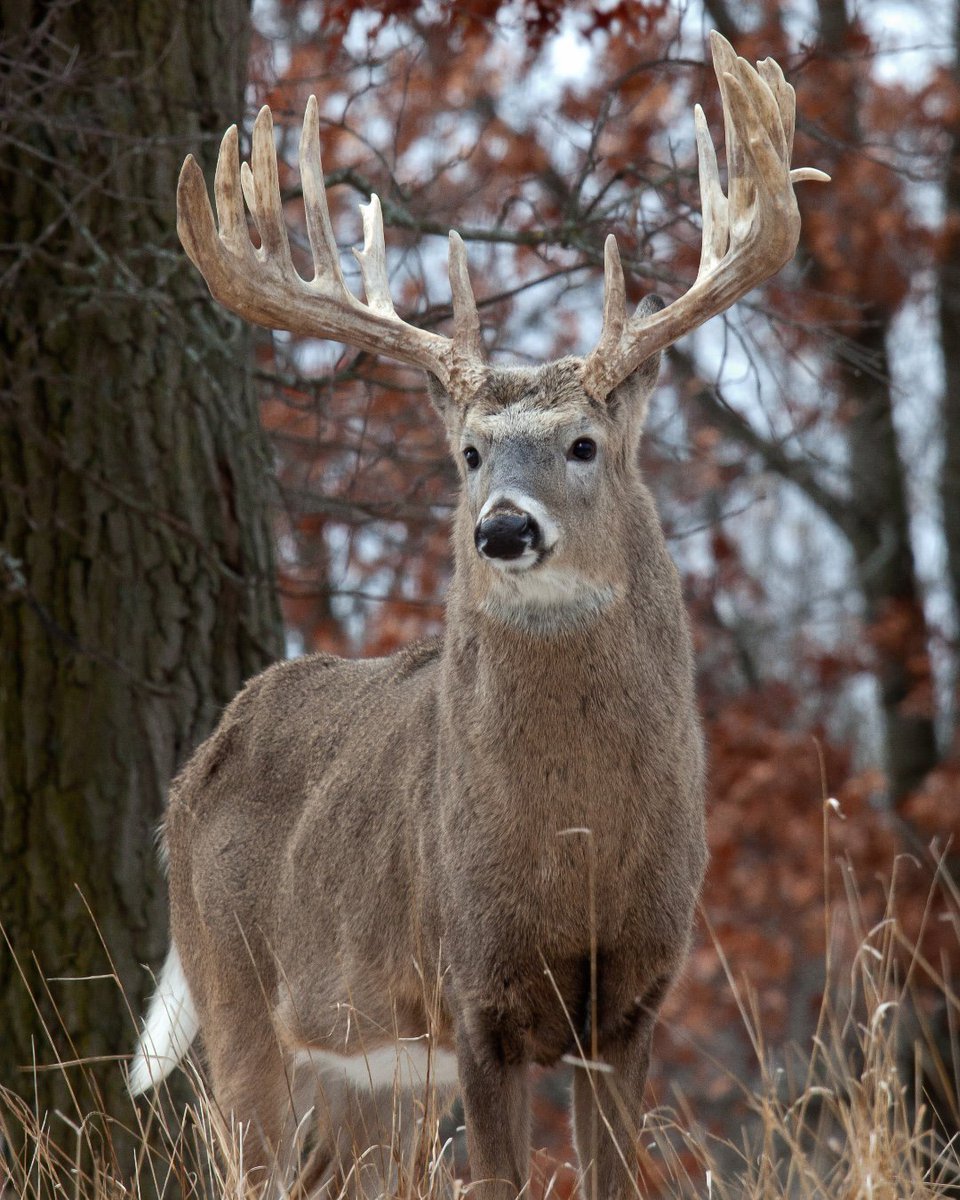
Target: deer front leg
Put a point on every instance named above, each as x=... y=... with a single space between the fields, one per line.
x=607 y=1105
x=496 y=1105
x=606 y=1119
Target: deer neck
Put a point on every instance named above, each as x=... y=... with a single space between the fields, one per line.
x=546 y=656
x=564 y=648
x=549 y=731
x=581 y=663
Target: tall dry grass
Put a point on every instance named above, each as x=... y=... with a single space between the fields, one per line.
x=863 y=1111
x=868 y=1109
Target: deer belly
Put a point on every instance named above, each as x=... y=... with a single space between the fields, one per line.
x=407 y=1065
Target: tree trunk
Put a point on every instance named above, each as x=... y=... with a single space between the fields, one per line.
x=135 y=540
x=879 y=532
x=949 y=296
x=880 y=527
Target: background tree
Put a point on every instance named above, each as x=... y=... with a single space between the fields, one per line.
x=135 y=552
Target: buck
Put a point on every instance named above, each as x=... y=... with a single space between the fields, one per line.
x=485 y=851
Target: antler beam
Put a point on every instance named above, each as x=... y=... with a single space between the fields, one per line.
x=748 y=235
x=264 y=286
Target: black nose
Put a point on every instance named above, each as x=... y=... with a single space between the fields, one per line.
x=507 y=535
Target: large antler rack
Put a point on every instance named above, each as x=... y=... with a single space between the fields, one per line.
x=264 y=286
x=748 y=235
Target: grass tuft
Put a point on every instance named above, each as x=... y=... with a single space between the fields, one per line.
x=867 y=1109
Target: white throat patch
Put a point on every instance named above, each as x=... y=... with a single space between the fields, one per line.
x=546 y=599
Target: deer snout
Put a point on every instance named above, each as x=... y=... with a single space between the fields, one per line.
x=507 y=535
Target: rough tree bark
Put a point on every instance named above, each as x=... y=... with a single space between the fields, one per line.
x=880 y=533
x=885 y=563
x=135 y=542
x=949 y=297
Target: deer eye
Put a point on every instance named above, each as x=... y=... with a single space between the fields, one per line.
x=472 y=456
x=583 y=449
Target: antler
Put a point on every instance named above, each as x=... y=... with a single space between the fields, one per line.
x=748 y=235
x=263 y=285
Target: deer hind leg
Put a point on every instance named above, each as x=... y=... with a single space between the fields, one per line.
x=380 y=1133
x=365 y=1141
x=266 y=1113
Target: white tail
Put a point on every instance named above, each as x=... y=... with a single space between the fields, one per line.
x=169 y=1028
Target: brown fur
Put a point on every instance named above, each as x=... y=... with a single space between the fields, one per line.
x=354 y=832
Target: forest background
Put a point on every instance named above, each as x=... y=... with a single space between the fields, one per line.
x=182 y=499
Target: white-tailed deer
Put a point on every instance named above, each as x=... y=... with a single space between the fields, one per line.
x=485 y=851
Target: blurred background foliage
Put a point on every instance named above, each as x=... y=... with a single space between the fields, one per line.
x=804 y=450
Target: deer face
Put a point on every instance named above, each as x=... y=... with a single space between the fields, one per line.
x=539 y=509
x=546 y=474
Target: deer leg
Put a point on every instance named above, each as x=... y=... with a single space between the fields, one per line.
x=367 y=1138
x=607 y=1105
x=254 y=1090
x=319 y=1169
x=372 y=1143
x=606 y=1117
x=496 y=1104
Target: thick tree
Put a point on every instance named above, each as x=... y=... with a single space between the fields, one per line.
x=948 y=280
x=135 y=544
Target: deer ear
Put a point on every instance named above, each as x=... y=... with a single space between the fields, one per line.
x=440 y=398
x=631 y=398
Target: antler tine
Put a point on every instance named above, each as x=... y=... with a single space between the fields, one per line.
x=373 y=259
x=466 y=319
x=748 y=234
x=323 y=245
x=196 y=227
x=716 y=222
x=467 y=365
x=261 y=188
x=263 y=285
x=614 y=302
x=230 y=214
x=725 y=65
x=614 y=298
x=786 y=98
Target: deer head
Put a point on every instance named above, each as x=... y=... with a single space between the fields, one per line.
x=537 y=448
